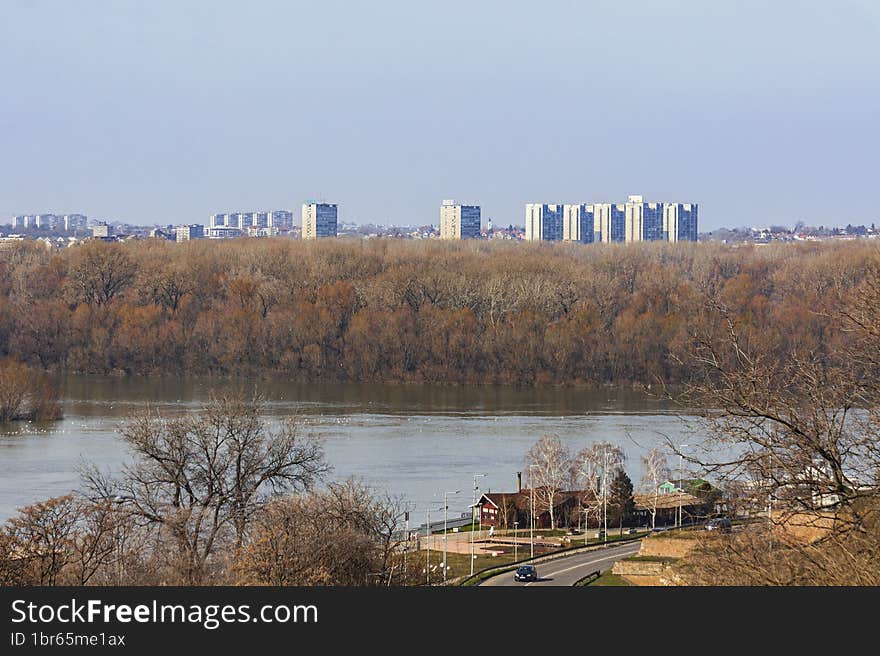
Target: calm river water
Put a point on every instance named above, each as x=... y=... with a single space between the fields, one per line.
x=412 y=441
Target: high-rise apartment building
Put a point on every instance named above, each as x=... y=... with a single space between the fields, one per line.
x=634 y=209
x=187 y=232
x=46 y=221
x=459 y=221
x=74 y=222
x=280 y=220
x=578 y=224
x=259 y=220
x=544 y=222
x=680 y=221
x=318 y=220
x=644 y=221
x=610 y=222
x=256 y=223
x=635 y=220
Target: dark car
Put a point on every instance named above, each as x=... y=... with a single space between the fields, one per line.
x=526 y=573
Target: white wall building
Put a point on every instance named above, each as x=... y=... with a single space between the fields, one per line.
x=319 y=220
x=459 y=221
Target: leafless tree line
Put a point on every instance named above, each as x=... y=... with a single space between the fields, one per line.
x=510 y=313
x=590 y=472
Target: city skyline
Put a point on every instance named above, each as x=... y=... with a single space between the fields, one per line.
x=170 y=127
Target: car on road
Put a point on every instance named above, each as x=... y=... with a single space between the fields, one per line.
x=722 y=524
x=526 y=573
x=632 y=531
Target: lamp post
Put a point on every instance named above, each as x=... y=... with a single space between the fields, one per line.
x=445 y=522
x=473 y=510
x=680 y=483
x=515 y=543
x=405 y=542
x=428 y=544
x=586 y=521
x=605 y=493
x=532 y=512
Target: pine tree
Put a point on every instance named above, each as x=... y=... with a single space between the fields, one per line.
x=621 y=504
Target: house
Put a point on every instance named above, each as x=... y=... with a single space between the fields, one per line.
x=697 y=486
x=697 y=497
x=692 y=507
x=504 y=509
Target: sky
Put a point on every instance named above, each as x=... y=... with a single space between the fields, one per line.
x=166 y=112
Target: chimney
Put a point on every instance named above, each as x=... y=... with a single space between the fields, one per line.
x=519 y=481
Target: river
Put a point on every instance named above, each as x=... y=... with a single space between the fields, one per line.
x=415 y=441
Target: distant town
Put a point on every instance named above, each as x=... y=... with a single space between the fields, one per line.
x=633 y=221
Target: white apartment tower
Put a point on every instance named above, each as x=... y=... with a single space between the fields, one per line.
x=544 y=222
x=635 y=217
x=318 y=220
x=459 y=221
x=578 y=224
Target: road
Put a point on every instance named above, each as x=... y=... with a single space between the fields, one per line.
x=568 y=569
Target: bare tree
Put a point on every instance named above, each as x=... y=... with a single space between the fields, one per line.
x=100 y=271
x=592 y=471
x=549 y=463
x=656 y=471
x=201 y=478
x=26 y=394
x=346 y=534
x=798 y=426
x=38 y=543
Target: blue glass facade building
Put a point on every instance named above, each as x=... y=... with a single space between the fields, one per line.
x=652 y=222
x=618 y=222
x=470 y=221
x=551 y=223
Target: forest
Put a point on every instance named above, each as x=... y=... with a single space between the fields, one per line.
x=409 y=311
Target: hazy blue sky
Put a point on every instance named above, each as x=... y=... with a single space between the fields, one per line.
x=168 y=111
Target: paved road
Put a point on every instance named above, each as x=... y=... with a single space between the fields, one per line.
x=568 y=569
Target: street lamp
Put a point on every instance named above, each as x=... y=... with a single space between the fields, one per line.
x=405 y=542
x=532 y=511
x=515 y=543
x=680 y=483
x=428 y=545
x=445 y=529
x=586 y=521
x=605 y=493
x=473 y=509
